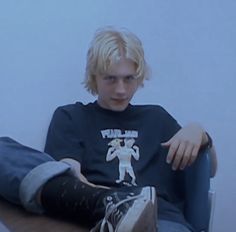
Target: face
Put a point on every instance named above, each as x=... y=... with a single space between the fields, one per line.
x=117 y=87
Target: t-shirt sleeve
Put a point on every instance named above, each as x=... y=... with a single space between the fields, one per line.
x=63 y=139
x=170 y=125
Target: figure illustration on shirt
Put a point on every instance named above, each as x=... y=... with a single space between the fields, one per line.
x=124 y=154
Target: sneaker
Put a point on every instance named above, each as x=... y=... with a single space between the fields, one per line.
x=134 y=211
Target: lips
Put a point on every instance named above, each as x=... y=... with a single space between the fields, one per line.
x=120 y=101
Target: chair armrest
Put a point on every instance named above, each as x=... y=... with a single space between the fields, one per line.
x=197 y=185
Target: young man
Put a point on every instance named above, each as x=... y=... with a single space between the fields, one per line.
x=115 y=161
x=97 y=134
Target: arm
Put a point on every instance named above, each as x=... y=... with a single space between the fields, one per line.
x=136 y=152
x=64 y=138
x=184 y=147
x=110 y=154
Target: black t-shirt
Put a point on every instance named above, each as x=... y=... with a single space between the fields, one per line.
x=120 y=149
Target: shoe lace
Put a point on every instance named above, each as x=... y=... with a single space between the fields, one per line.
x=112 y=208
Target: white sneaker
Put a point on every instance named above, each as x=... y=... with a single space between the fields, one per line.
x=133 y=211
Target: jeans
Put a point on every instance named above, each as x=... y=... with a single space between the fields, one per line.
x=169 y=226
x=3 y=228
x=23 y=171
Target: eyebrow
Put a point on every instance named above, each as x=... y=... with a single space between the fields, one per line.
x=114 y=75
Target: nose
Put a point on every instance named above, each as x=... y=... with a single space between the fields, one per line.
x=120 y=87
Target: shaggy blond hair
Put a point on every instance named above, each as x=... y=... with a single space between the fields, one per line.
x=106 y=48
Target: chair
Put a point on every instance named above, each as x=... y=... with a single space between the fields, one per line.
x=212 y=200
x=199 y=198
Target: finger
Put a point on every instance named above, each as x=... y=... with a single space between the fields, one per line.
x=167 y=143
x=186 y=157
x=178 y=156
x=172 y=150
x=194 y=155
x=82 y=178
x=102 y=186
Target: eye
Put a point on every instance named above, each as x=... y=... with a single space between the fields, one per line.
x=110 y=78
x=129 y=78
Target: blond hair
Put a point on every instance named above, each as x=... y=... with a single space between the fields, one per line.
x=107 y=46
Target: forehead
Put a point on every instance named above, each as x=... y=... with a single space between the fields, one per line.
x=122 y=67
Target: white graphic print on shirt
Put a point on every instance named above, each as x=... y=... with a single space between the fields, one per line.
x=122 y=146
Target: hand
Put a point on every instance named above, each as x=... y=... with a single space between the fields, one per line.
x=76 y=170
x=184 y=146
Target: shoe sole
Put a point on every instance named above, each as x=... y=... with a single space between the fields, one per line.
x=141 y=217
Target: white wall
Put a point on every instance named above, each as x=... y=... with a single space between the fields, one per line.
x=190 y=46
